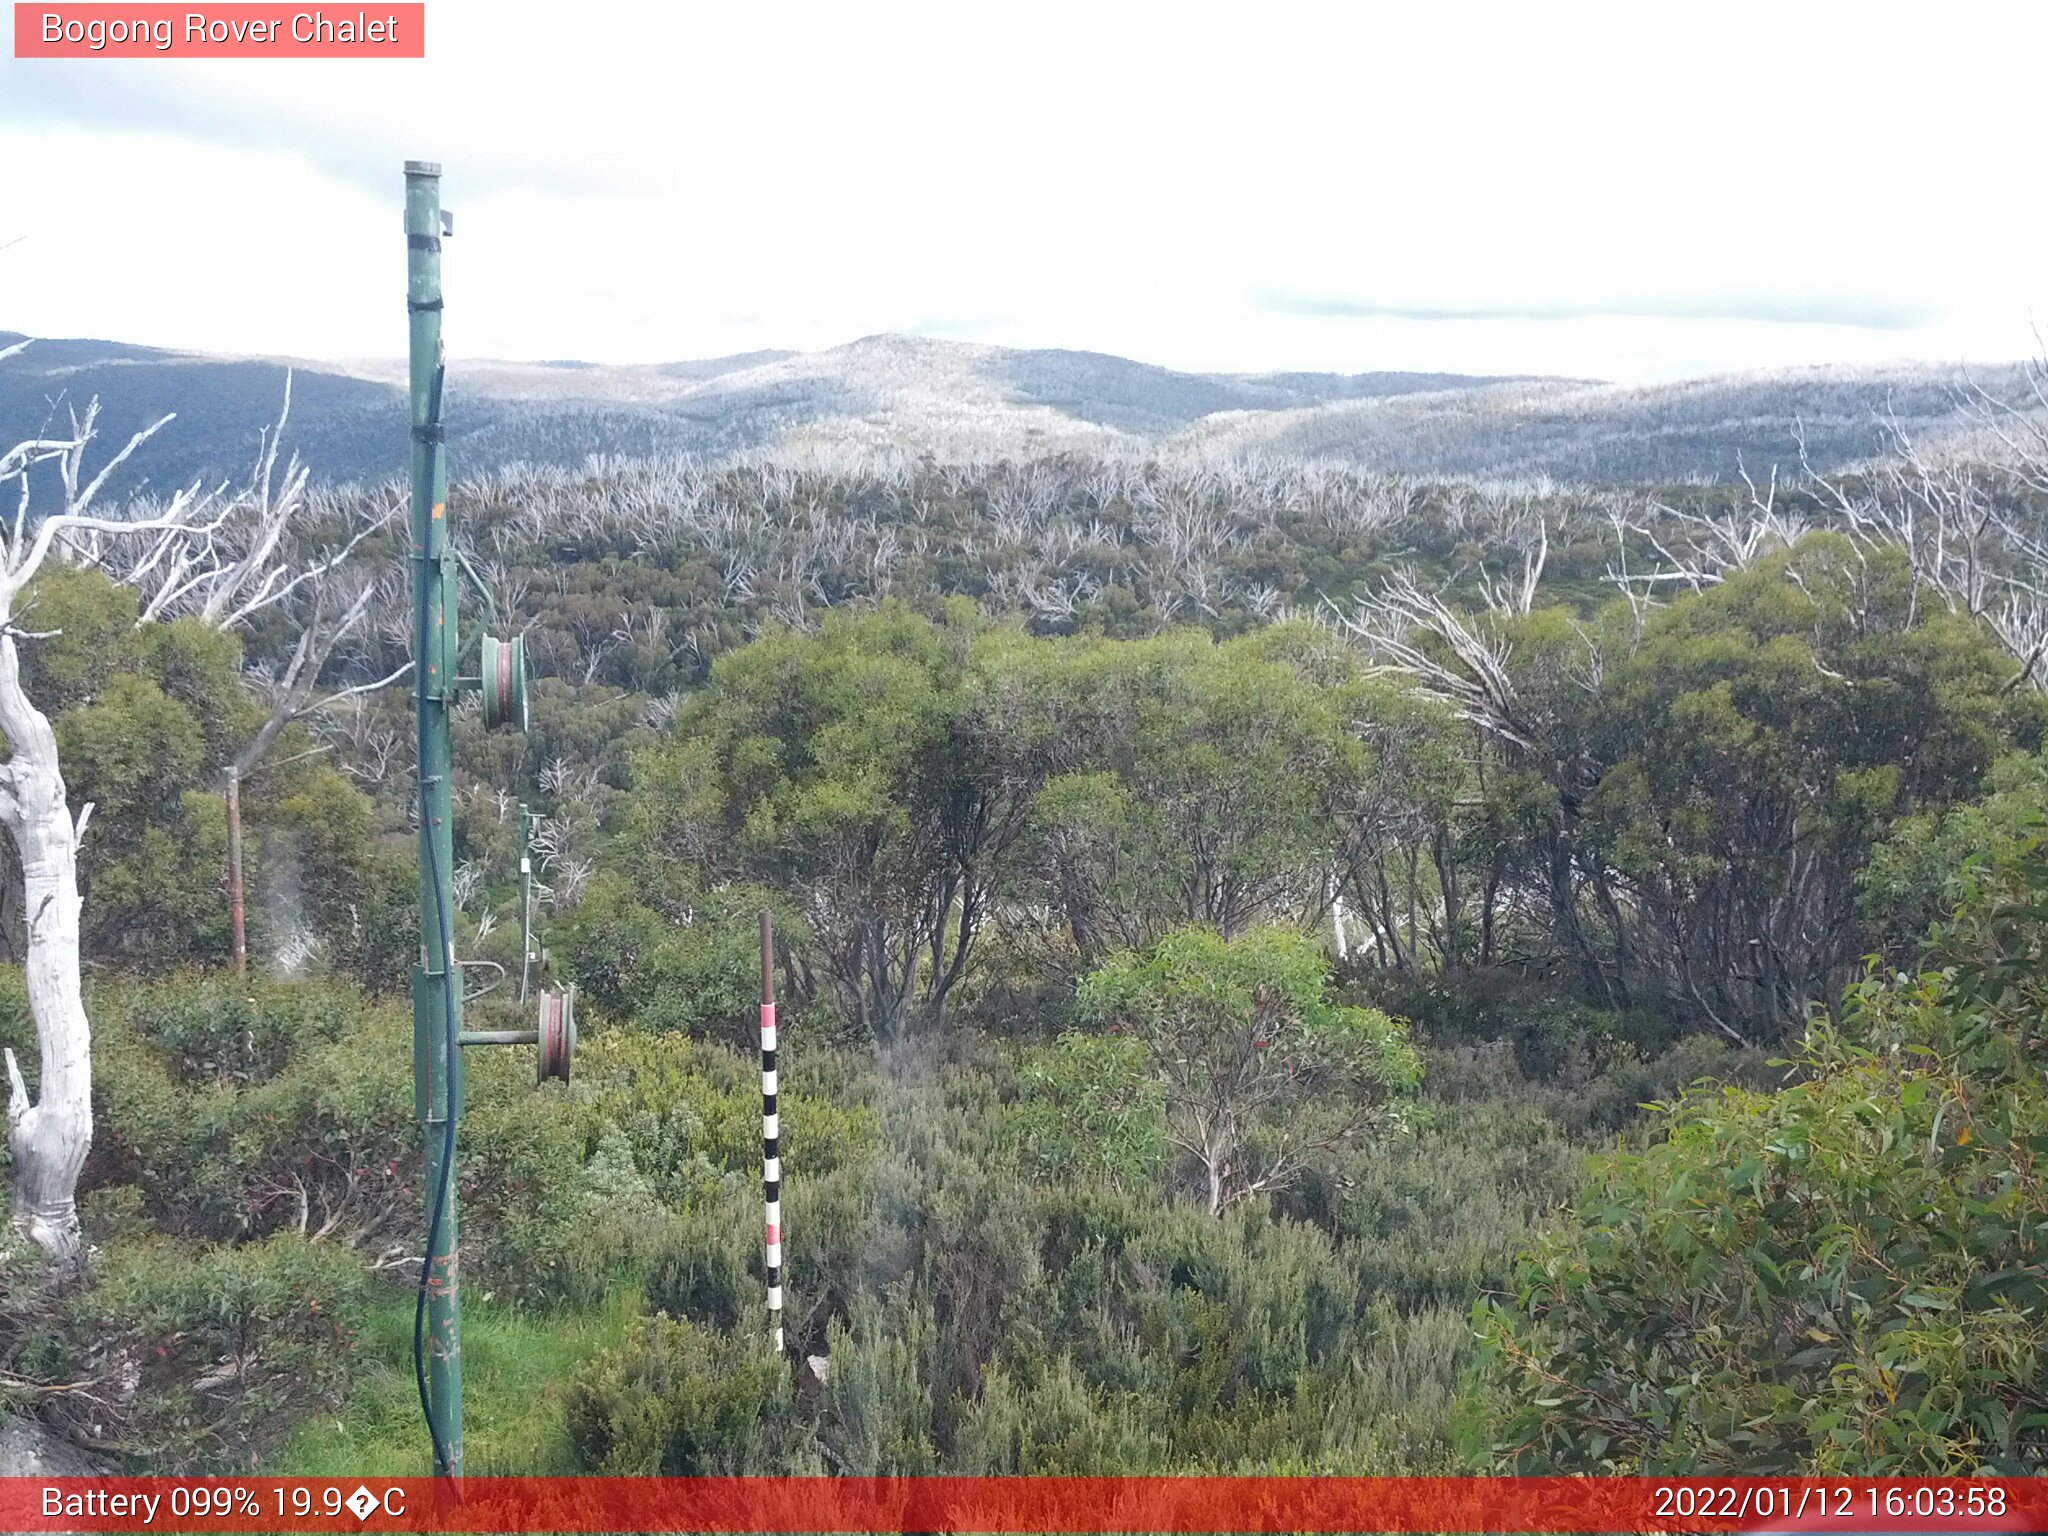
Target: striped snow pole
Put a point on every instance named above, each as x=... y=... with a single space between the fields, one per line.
x=771 y=1130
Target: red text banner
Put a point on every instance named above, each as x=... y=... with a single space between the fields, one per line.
x=1026 y=1504
x=233 y=31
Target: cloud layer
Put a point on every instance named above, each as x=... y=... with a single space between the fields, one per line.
x=1608 y=191
x=1876 y=312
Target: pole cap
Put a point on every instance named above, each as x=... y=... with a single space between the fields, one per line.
x=422 y=167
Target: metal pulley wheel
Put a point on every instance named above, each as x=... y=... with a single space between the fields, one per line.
x=557 y=1033
x=504 y=682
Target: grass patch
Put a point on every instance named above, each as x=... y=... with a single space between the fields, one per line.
x=515 y=1364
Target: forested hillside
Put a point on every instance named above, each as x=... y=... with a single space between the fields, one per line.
x=910 y=398
x=1285 y=968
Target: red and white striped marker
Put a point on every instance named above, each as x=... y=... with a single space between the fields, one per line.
x=771 y=1130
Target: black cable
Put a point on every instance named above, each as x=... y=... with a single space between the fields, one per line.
x=419 y=1314
x=449 y=1008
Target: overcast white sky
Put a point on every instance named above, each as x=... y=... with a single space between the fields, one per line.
x=1640 y=191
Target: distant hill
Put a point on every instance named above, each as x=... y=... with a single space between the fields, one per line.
x=339 y=423
x=956 y=400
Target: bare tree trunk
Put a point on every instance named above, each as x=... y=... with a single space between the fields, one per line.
x=237 y=901
x=51 y=1136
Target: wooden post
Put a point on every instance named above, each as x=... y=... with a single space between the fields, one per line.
x=237 y=900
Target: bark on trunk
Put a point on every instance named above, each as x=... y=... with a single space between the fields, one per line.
x=50 y=1136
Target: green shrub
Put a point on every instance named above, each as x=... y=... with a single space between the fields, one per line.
x=701 y=980
x=321 y=1138
x=710 y=1268
x=115 y=1214
x=1056 y=1425
x=604 y=946
x=233 y=1346
x=35 y=1348
x=1619 y=1096
x=875 y=1417
x=1847 y=1275
x=1090 y=1110
x=528 y=1233
x=678 y=1400
x=1435 y=1219
x=1552 y=1038
x=692 y=1111
x=1261 y=1076
x=327 y=1146
x=220 y=1030
x=855 y=1230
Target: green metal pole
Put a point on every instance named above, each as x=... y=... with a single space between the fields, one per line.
x=436 y=991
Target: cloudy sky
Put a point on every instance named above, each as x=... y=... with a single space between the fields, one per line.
x=1632 y=192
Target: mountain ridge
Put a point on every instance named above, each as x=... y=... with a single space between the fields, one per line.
x=917 y=395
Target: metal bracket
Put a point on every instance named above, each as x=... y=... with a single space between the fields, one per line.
x=555 y=1034
x=476 y=582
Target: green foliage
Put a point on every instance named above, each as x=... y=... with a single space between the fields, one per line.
x=155 y=877
x=702 y=980
x=709 y=1270
x=1054 y=1424
x=1496 y=1034
x=903 y=773
x=241 y=1113
x=1189 y=781
x=318 y=867
x=1915 y=877
x=957 y=820
x=147 y=718
x=1762 y=734
x=232 y=1346
x=876 y=1416
x=691 y=1112
x=839 y=764
x=675 y=1400
x=1090 y=1108
x=612 y=936
x=1850 y=1273
x=214 y=1030
x=1433 y=1219
x=1262 y=1076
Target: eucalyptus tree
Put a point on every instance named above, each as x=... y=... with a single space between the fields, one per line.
x=851 y=769
x=1195 y=787
x=1692 y=786
x=1262 y=1076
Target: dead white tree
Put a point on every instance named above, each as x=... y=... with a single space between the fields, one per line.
x=51 y=1132
x=1460 y=662
x=1697 y=550
x=257 y=555
x=1965 y=521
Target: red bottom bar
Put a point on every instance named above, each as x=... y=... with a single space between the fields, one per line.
x=1027 y=1504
